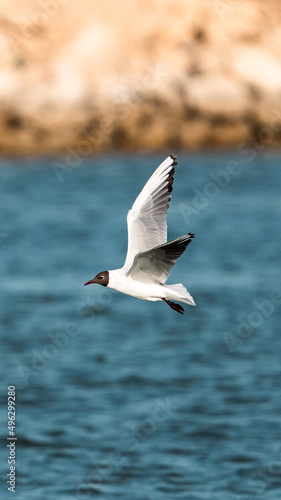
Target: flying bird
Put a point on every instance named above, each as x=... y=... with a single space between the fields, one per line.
x=150 y=258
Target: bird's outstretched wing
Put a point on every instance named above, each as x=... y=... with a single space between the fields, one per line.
x=156 y=264
x=147 y=225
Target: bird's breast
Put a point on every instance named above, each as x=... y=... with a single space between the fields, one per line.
x=119 y=281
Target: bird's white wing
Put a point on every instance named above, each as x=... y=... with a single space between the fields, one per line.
x=155 y=265
x=147 y=225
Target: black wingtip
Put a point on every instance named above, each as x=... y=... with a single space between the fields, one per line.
x=174 y=158
x=171 y=173
x=188 y=237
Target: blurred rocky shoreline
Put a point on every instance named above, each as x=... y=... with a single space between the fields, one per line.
x=143 y=75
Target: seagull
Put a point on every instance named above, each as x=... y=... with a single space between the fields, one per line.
x=150 y=257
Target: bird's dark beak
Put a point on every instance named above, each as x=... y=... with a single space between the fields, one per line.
x=89 y=282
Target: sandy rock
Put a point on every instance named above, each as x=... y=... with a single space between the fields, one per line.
x=87 y=76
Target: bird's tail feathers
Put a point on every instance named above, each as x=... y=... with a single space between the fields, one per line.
x=178 y=291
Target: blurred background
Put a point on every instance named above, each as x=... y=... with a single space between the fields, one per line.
x=116 y=397
x=140 y=75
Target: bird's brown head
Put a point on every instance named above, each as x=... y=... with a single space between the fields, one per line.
x=100 y=279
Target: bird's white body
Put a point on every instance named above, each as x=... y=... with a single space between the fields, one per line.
x=150 y=258
x=119 y=281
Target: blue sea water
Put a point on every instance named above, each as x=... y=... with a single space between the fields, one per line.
x=120 y=398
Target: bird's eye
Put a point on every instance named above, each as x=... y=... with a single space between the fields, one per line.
x=101 y=277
